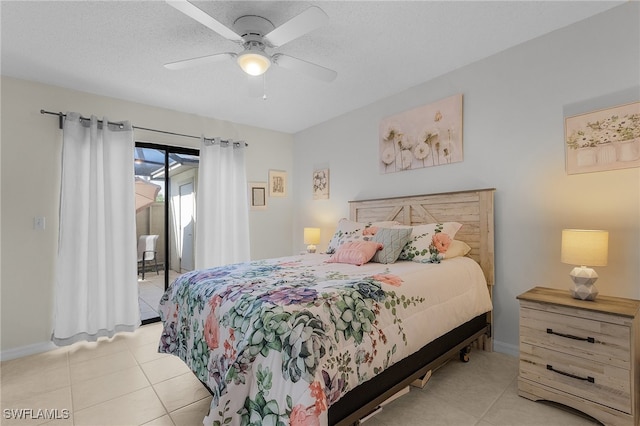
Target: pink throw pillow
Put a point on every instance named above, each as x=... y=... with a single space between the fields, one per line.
x=355 y=252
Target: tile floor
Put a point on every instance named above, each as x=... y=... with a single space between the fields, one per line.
x=150 y=292
x=124 y=381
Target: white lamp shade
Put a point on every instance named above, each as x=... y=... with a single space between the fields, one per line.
x=584 y=247
x=254 y=62
x=312 y=236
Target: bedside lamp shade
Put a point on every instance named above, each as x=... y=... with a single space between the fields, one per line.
x=311 y=237
x=584 y=248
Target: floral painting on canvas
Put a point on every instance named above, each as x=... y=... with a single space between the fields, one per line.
x=607 y=139
x=430 y=135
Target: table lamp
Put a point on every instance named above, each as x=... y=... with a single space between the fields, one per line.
x=584 y=247
x=311 y=238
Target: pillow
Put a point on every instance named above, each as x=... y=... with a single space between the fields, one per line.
x=355 y=252
x=349 y=230
x=425 y=245
x=393 y=241
x=457 y=249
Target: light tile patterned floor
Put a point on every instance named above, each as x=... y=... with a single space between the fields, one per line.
x=150 y=291
x=124 y=381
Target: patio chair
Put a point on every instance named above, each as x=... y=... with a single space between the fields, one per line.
x=147 y=251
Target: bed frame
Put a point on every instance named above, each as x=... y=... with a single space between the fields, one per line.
x=474 y=209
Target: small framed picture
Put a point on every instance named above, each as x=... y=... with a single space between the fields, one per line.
x=277 y=183
x=321 y=184
x=258 y=195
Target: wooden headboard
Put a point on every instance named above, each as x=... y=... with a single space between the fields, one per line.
x=473 y=209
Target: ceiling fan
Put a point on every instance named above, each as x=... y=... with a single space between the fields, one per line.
x=256 y=33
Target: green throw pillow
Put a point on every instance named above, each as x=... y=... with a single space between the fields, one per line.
x=393 y=241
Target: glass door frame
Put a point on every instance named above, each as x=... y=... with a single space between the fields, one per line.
x=168 y=149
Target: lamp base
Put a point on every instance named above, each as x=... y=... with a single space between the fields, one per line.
x=583 y=279
x=311 y=248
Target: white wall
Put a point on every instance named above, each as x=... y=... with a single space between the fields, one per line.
x=31 y=148
x=513 y=141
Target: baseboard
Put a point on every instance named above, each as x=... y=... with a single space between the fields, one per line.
x=506 y=348
x=27 y=350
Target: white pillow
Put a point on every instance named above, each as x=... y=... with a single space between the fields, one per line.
x=457 y=249
x=425 y=245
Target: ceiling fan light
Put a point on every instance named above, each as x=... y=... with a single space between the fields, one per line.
x=254 y=62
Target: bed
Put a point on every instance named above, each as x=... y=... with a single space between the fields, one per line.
x=297 y=340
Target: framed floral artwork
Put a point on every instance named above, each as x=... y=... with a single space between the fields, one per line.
x=321 y=184
x=430 y=135
x=277 y=183
x=606 y=139
x=258 y=195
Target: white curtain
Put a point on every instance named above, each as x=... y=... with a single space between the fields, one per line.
x=222 y=217
x=96 y=291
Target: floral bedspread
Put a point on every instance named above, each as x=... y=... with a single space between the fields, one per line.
x=278 y=341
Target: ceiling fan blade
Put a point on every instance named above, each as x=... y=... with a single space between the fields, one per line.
x=312 y=70
x=205 y=19
x=209 y=59
x=299 y=25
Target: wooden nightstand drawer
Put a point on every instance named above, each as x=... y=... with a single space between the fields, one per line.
x=601 y=383
x=590 y=339
x=583 y=354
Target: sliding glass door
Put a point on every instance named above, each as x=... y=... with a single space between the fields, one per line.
x=166 y=184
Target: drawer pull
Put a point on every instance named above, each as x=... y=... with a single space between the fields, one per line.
x=573 y=376
x=571 y=336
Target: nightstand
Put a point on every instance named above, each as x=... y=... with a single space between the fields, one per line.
x=582 y=354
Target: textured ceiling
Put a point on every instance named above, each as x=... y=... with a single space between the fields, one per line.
x=117 y=49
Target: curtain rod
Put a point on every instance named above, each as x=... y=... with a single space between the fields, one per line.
x=61 y=117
